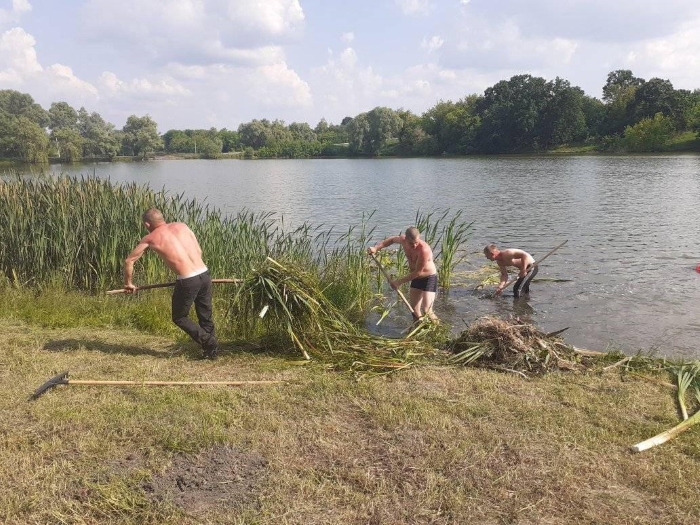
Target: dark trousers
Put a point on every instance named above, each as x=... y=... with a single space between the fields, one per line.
x=525 y=281
x=195 y=290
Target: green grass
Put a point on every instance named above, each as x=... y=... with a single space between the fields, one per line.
x=687 y=141
x=436 y=444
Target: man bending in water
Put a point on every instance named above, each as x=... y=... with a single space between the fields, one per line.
x=422 y=271
x=523 y=261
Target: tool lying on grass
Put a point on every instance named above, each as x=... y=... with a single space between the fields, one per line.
x=388 y=278
x=62 y=379
x=533 y=266
x=165 y=285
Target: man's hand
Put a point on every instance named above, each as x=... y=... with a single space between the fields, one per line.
x=394 y=284
x=130 y=288
x=499 y=290
x=371 y=250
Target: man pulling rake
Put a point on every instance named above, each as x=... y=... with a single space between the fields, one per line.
x=422 y=272
x=179 y=249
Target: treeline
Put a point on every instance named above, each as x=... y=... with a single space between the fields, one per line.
x=523 y=114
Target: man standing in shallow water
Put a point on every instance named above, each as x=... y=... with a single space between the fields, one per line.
x=422 y=271
x=177 y=246
x=520 y=259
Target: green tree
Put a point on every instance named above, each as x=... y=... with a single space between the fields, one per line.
x=453 y=125
x=140 y=136
x=31 y=143
x=19 y=104
x=562 y=119
x=649 y=134
x=302 y=131
x=229 y=140
x=618 y=94
x=62 y=116
x=100 y=139
x=369 y=132
x=68 y=143
x=510 y=115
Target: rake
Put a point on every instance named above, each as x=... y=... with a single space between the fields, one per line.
x=62 y=379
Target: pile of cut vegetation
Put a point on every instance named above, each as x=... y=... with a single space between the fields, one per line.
x=514 y=346
x=289 y=301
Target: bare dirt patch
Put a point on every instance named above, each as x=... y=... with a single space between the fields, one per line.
x=219 y=477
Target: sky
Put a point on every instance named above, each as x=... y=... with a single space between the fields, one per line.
x=193 y=64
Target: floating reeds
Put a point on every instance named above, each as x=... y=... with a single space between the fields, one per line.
x=513 y=346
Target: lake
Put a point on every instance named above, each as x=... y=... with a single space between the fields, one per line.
x=631 y=223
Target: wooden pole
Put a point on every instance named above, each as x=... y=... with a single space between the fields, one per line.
x=388 y=278
x=165 y=285
x=167 y=383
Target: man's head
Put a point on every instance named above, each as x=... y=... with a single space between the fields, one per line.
x=412 y=236
x=152 y=218
x=491 y=251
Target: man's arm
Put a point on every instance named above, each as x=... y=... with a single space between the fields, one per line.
x=134 y=256
x=504 y=278
x=383 y=244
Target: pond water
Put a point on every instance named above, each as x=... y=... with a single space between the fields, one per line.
x=626 y=278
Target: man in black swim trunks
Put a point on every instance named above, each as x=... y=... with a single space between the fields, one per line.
x=422 y=271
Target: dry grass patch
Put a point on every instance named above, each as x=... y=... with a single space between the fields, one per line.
x=435 y=444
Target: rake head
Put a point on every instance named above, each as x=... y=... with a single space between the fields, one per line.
x=59 y=379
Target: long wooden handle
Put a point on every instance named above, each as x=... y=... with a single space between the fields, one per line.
x=165 y=383
x=165 y=285
x=388 y=278
x=536 y=263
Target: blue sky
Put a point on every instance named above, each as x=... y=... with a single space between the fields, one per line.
x=204 y=63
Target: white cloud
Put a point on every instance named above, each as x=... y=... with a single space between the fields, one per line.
x=63 y=81
x=278 y=86
x=12 y=16
x=414 y=7
x=344 y=87
x=18 y=58
x=348 y=37
x=20 y=69
x=140 y=87
x=433 y=44
x=676 y=57
x=195 y=31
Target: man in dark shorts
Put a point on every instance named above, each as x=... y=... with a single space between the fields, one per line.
x=422 y=271
x=177 y=246
x=523 y=261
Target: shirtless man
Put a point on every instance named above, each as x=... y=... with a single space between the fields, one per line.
x=177 y=246
x=520 y=259
x=423 y=273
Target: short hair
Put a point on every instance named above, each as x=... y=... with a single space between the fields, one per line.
x=412 y=233
x=152 y=216
x=490 y=249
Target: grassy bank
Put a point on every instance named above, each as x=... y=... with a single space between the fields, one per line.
x=436 y=444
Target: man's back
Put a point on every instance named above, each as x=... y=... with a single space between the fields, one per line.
x=178 y=247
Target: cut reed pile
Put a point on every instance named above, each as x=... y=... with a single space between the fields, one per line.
x=285 y=298
x=514 y=346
